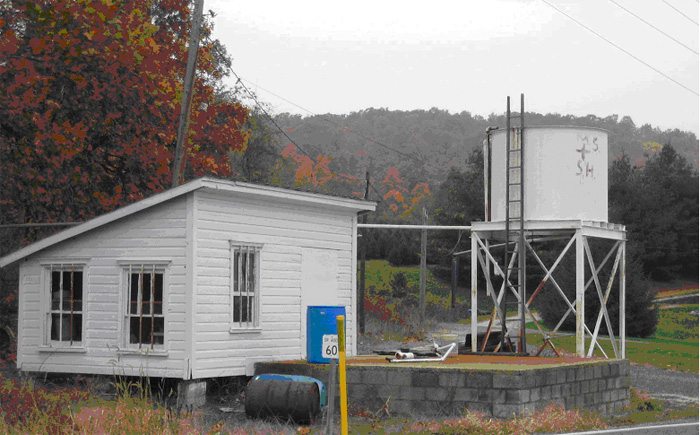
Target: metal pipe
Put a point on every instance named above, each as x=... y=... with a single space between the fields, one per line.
x=436 y=359
x=417 y=227
x=522 y=278
x=506 y=252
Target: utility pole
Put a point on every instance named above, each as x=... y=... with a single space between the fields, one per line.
x=363 y=258
x=453 y=293
x=187 y=91
x=423 y=265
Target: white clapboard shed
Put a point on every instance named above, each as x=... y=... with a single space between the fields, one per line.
x=200 y=281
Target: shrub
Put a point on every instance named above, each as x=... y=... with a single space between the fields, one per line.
x=398 y=320
x=398 y=285
x=31 y=409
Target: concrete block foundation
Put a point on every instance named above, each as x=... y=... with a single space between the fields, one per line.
x=191 y=393
x=498 y=386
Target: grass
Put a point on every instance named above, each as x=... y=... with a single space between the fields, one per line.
x=665 y=354
x=674 y=346
x=676 y=323
x=379 y=274
x=551 y=419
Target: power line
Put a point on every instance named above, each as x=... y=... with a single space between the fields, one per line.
x=250 y=93
x=618 y=47
x=255 y=99
x=677 y=10
x=341 y=127
x=651 y=25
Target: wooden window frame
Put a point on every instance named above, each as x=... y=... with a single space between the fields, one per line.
x=250 y=322
x=71 y=267
x=142 y=268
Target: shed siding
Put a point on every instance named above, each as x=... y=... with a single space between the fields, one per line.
x=157 y=233
x=286 y=232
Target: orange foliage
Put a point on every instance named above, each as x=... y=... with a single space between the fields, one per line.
x=89 y=99
x=399 y=197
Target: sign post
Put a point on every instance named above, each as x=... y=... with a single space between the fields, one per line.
x=341 y=376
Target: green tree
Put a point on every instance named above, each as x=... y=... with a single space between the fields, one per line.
x=658 y=202
x=257 y=161
x=458 y=201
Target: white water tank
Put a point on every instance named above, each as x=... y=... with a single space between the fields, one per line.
x=565 y=173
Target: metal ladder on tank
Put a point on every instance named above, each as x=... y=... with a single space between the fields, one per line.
x=514 y=255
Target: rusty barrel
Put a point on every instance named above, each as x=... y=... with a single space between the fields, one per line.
x=286 y=397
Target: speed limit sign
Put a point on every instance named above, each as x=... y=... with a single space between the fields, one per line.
x=330 y=346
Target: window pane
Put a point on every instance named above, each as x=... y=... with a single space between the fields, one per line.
x=152 y=328
x=158 y=297
x=68 y=286
x=55 y=327
x=146 y=298
x=134 y=294
x=241 y=313
x=78 y=291
x=134 y=330
x=244 y=270
x=55 y=290
x=236 y=268
x=77 y=334
x=251 y=274
x=65 y=327
x=146 y=330
x=159 y=330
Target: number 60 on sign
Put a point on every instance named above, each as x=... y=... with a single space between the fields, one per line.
x=330 y=346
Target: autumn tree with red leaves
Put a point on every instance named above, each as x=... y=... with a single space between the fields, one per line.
x=89 y=101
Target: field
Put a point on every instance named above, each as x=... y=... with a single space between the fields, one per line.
x=674 y=346
x=85 y=406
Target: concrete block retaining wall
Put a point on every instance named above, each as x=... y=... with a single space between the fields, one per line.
x=601 y=385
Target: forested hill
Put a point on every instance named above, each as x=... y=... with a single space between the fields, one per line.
x=423 y=145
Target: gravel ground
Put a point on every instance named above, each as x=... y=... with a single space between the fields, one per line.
x=665 y=384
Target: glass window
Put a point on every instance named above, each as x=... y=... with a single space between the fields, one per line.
x=245 y=260
x=65 y=314
x=145 y=319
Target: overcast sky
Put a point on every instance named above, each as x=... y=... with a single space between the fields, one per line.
x=333 y=57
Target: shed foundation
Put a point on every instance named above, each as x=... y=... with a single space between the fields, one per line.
x=191 y=393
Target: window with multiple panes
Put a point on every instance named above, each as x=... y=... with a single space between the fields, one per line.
x=65 y=314
x=245 y=270
x=145 y=316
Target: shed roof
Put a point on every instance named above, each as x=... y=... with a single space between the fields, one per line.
x=241 y=189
